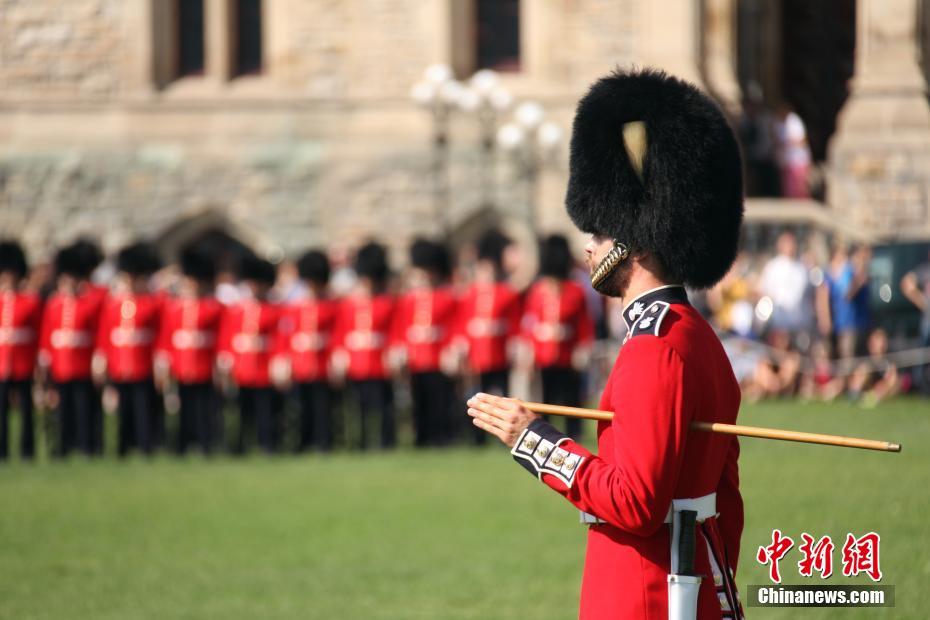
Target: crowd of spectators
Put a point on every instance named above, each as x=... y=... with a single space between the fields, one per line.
x=799 y=327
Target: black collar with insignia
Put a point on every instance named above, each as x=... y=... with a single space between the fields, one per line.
x=645 y=305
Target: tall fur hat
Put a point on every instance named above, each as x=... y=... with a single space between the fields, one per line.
x=430 y=256
x=491 y=246
x=371 y=262
x=256 y=269
x=655 y=166
x=313 y=266
x=138 y=259
x=78 y=259
x=198 y=264
x=12 y=258
x=555 y=257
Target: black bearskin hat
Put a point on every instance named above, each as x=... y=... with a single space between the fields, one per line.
x=78 y=259
x=371 y=262
x=313 y=266
x=430 y=256
x=198 y=264
x=12 y=258
x=491 y=246
x=655 y=166
x=555 y=257
x=138 y=259
x=256 y=269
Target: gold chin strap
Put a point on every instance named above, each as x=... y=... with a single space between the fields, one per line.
x=614 y=257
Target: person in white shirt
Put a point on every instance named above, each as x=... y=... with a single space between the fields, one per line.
x=785 y=282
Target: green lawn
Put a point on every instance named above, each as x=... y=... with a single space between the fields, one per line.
x=436 y=534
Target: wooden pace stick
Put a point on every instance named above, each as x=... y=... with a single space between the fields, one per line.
x=730 y=429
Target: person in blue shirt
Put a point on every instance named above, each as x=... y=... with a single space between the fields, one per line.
x=843 y=300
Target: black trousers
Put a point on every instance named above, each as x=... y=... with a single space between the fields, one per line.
x=259 y=415
x=431 y=393
x=80 y=418
x=562 y=386
x=138 y=402
x=495 y=382
x=197 y=418
x=23 y=392
x=316 y=416
x=375 y=398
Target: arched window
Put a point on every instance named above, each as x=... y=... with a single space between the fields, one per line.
x=497 y=34
x=247 y=37
x=190 y=56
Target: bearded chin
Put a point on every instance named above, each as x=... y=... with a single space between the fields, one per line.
x=617 y=282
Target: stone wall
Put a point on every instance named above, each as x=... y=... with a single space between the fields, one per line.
x=62 y=49
x=285 y=180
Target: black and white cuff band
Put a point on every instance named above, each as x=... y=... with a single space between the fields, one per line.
x=538 y=451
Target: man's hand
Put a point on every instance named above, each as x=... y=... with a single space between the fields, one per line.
x=505 y=418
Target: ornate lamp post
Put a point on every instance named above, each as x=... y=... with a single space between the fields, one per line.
x=439 y=93
x=488 y=100
x=530 y=139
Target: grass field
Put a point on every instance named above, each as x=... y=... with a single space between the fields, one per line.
x=434 y=534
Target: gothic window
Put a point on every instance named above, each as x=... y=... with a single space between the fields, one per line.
x=247 y=37
x=190 y=39
x=497 y=34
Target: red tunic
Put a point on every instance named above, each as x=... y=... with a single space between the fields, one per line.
x=423 y=325
x=247 y=336
x=672 y=370
x=188 y=336
x=69 y=333
x=127 y=335
x=20 y=320
x=489 y=317
x=362 y=332
x=556 y=321
x=305 y=337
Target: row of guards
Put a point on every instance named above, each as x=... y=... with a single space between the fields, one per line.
x=64 y=347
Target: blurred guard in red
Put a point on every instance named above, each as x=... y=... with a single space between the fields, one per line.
x=489 y=318
x=129 y=324
x=66 y=347
x=305 y=338
x=20 y=317
x=187 y=348
x=423 y=326
x=361 y=342
x=557 y=323
x=656 y=179
x=247 y=337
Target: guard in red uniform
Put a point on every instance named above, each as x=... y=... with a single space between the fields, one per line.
x=488 y=323
x=360 y=344
x=304 y=342
x=187 y=350
x=20 y=317
x=423 y=327
x=247 y=338
x=66 y=348
x=557 y=323
x=656 y=179
x=129 y=324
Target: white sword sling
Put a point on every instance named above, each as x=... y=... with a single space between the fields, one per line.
x=683 y=582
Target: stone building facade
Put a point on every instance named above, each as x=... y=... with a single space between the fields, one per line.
x=288 y=123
